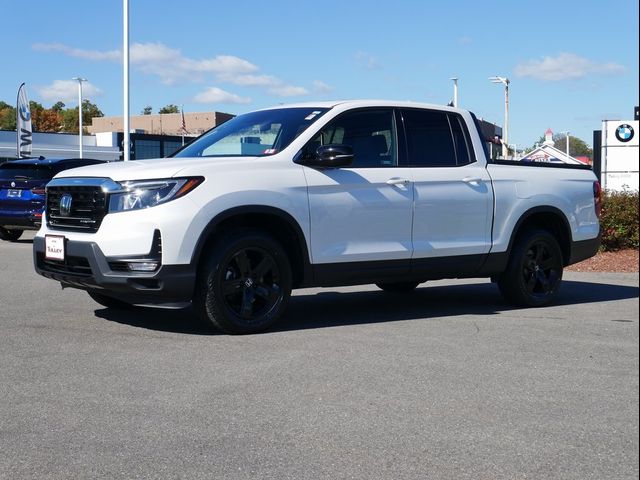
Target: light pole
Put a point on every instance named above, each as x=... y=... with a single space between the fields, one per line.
x=505 y=81
x=80 y=80
x=455 y=91
x=125 y=79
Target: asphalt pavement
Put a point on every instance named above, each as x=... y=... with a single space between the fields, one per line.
x=446 y=383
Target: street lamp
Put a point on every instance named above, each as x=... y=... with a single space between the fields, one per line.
x=455 y=91
x=80 y=80
x=505 y=81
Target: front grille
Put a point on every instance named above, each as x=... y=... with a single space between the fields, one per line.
x=88 y=208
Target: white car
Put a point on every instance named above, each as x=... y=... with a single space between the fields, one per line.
x=326 y=194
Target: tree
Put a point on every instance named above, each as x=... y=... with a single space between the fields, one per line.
x=7 y=116
x=577 y=147
x=70 y=120
x=146 y=110
x=171 y=108
x=49 y=120
x=58 y=107
x=90 y=110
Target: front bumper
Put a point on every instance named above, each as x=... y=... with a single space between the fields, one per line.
x=86 y=267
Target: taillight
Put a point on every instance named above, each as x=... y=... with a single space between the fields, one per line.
x=38 y=190
x=597 y=198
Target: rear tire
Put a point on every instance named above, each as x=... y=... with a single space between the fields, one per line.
x=244 y=283
x=534 y=271
x=10 y=235
x=109 y=302
x=398 y=287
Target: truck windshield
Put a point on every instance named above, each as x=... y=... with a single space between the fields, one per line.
x=256 y=134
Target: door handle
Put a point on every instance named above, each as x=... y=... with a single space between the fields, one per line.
x=397 y=181
x=472 y=180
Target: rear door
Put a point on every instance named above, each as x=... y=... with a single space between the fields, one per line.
x=452 y=192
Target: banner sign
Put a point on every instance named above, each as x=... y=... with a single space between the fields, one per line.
x=23 y=124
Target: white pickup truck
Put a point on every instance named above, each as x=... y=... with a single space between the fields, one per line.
x=323 y=194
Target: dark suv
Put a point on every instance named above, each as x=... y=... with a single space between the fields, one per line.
x=22 y=194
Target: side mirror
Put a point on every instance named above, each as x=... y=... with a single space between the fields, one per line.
x=329 y=156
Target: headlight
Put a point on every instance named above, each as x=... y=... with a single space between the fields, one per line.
x=149 y=193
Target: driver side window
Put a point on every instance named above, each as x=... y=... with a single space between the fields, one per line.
x=371 y=134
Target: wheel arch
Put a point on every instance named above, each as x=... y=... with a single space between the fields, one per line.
x=274 y=221
x=547 y=218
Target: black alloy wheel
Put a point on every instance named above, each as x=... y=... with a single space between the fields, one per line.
x=534 y=272
x=251 y=283
x=244 y=284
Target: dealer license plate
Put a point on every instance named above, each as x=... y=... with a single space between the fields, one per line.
x=54 y=247
x=14 y=193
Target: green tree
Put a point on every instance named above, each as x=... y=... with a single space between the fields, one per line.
x=146 y=110
x=7 y=116
x=58 y=107
x=70 y=117
x=90 y=110
x=577 y=147
x=171 y=108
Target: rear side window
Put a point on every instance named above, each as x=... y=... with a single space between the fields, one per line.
x=435 y=139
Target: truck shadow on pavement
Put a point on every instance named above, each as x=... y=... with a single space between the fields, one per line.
x=331 y=308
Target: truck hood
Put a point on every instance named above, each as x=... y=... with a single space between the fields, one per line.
x=149 y=169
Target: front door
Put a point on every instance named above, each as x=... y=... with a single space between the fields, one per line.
x=363 y=212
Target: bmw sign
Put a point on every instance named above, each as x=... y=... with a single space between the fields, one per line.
x=624 y=133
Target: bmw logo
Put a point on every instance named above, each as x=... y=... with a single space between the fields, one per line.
x=624 y=133
x=25 y=113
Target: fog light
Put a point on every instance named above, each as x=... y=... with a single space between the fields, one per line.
x=142 y=266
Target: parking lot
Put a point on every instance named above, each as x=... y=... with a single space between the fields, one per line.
x=446 y=383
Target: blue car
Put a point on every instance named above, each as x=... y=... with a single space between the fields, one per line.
x=22 y=191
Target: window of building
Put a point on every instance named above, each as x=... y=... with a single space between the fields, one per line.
x=170 y=147
x=146 y=149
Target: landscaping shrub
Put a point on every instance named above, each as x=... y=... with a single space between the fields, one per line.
x=619 y=220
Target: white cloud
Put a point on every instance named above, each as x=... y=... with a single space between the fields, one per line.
x=217 y=95
x=171 y=66
x=565 y=66
x=288 y=91
x=250 y=80
x=320 y=87
x=67 y=91
x=95 y=55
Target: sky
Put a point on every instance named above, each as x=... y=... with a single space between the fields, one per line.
x=571 y=64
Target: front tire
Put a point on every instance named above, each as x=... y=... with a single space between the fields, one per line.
x=10 y=235
x=244 y=283
x=534 y=271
